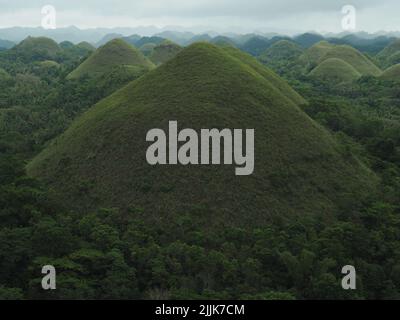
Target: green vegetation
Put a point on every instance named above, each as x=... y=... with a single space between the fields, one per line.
x=390 y=55
x=392 y=73
x=115 y=53
x=36 y=49
x=353 y=57
x=323 y=50
x=336 y=71
x=164 y=52
x=232 y=90
x=325 y=192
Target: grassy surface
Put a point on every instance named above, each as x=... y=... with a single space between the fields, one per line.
x=392 y=73
x=387 y=55
x=39 y=48
x=115 y=53
x=299 y=168
x=282 y=50
x=353 y=57
x=323 y=50
x=164 y=52
x=336 y=71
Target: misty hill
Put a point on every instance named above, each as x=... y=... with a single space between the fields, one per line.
x=6 y=44
x=307 y=40
x=299 y=169
x=281 y=51
x=367 y=45
x=115 y=53
x=163 y=52
x=335 y=71
x=223 y=41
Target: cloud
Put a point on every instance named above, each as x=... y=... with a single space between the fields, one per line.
x=282 y=14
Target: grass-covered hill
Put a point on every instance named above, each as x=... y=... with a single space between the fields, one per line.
x=163 y=52
x=324 y=50
x=299 y=168
x=36 y=49
x=353 y=57
x=312 y=56
x=307 y=40
x=392 y=73
x=283 y=50
x=390 y=55
x=113 y=54
x=147 y=49
x=336 y=71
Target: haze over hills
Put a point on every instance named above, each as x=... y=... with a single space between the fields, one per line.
x=300 y=169
x=113 y=54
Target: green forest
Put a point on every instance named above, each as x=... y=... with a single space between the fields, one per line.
x=76 y=192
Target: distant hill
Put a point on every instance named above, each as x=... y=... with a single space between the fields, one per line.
x=312 y=56
x=147 y=49
x=281 y=51
x=370 y=45
x=335 y=71
x=108 y=38
x=115 y=53
x=6 y=44
x=299 y=168
x=353 y=57
x=392 y=73
x=223 y=41
x=144 y=40
x=164 y=52
x=36 y=49
x=390 y=55
x=307 y=40
x=199 y=38
x=256 y=45
x=324 y=50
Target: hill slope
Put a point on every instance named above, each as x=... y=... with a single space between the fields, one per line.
x=324 y=50
x=335 y=70
x=353 y=57
x=283 y=50
x=299 y=169
x=392 y=73
x=164 y=52
x=113 y=54
x=36 y=49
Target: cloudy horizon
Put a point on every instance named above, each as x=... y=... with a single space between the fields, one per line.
x=285 y=16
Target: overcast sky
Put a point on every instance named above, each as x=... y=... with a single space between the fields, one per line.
x=220 y=15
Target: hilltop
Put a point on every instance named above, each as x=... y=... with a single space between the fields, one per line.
x=336 y=71
x=113 y=54
x=283 y=50
x=353 y=57
x=392 y=73
x=390 y=55
x=36 y=49
x=299 y=170
x=163 y=52
x=324 y=50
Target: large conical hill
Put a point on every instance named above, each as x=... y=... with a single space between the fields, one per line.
x=113 y=54
x=100 y=161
